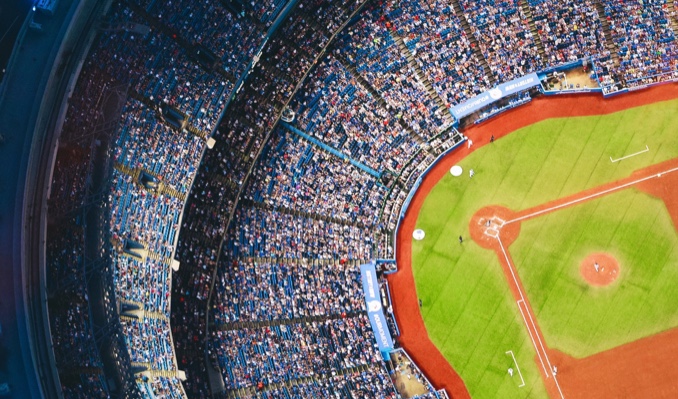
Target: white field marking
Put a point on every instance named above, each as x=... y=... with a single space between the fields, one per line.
x=546 y=356
x=536 y=332
x=631 y=155
x=534 y=343
x=588 y=197
x=518 y=368
x=522 y=299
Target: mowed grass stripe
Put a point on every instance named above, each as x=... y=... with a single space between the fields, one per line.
x=529 y=167
x=637 y=236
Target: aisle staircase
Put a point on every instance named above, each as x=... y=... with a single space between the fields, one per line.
x=674 y=19
x=533 y=28
x=609 y=43
x=474 y=42
x=442 y=108
x=380 y=100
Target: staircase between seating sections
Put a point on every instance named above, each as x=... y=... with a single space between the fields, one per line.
x=474 y=42
x=609 y=43
x=533 y=28
x=368 y=86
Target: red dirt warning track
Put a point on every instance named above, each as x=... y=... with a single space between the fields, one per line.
x=414 y=337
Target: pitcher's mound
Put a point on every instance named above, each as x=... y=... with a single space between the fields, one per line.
x=607 y=269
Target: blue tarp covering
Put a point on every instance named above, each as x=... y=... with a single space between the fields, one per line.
x=375 y=311
x=490 y=96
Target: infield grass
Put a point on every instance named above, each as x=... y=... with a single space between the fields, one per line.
x=467 y=307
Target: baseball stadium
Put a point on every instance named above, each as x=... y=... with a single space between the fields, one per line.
x=292 y=199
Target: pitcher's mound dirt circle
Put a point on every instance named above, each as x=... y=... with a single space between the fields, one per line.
x=608 y=269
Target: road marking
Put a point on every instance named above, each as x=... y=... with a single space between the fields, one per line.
x=518 y=368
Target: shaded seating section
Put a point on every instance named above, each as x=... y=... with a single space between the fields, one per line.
x=84 y=386
x=569 y=31
x=371 y=49
x=648 y=52
x=338 y=110
x=234 y=39
x=156 y=67
x=264 y=233
x=133 y=57
x=269 y=289
x=297 y=175
x=434 y=34
x=502 y=31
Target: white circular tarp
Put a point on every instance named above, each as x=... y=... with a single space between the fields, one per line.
x=418 y=234
x=456 y=170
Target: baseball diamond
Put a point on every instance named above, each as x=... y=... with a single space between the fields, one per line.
x=545 y=208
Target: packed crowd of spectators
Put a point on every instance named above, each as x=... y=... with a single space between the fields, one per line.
x=357 y=384
x=209 y=24
x=263 y=233
x=335 y=108
x=166 y=155
x=504 y=36
x=285 y=59
x=296 y=174
x=433 y=33
x=131 y=54
x=642 y=32
x=155 y=66
x=568 y=31
x=78 y=362
x=281 y=353
x=303 y=205
x=267 y=289
x=371 y=49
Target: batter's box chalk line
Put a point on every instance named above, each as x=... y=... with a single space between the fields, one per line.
x=492 y=232
x=630 y=155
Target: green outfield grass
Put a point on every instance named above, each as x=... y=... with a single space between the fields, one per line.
x=467 y=308
x=582 y=320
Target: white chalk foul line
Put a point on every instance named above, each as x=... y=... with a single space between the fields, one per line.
x=529 y=331
x=517 y=368
x=534 y=343
x=588 y=197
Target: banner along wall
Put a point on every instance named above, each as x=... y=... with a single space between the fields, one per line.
x=490 y=96
x=375 y=310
